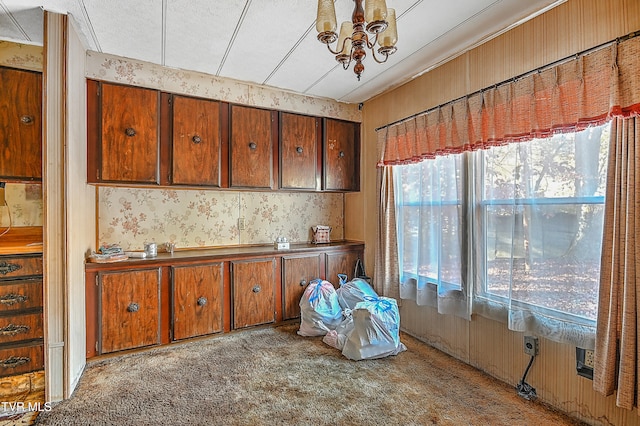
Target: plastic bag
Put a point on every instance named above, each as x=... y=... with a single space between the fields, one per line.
x=337 y=338
x=350 y=293
x=319 y=309
x=376 y=332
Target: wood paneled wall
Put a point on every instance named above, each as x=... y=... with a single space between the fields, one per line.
x=572 y=27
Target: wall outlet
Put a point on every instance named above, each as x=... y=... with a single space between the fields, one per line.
x=585 y=362
x=241 y=223
x=588 y=358
x=531 y=345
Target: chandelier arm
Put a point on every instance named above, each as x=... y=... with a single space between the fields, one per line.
x=370 y=44
x=337 y=52
x=375 y=58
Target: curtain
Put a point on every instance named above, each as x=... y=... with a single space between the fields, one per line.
x=616 y=355
x=386 y=275
x=571 y=96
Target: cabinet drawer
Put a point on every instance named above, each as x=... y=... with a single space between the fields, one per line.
x=253 y=284
x=21 y=327
x=21 y=360
x=130 y=309
x=197 y=300
x=20 y=294
x=20 y=266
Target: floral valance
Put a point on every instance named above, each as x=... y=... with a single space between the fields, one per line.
x=586 y=90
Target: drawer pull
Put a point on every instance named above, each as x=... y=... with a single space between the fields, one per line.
x=299 y=149
x=256 y=288
x=12 y=330
x=130 y=131
x=253 y=145
x=303 y=282
x=27 y=119
x=196 y=139
x=7 y=268
x=12 y=298
x=202 y=301
x=14 y=361
x=133 y=307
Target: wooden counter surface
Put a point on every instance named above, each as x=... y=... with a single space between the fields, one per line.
x=21 y=240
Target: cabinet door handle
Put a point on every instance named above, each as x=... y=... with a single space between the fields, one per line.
x=253 y=145
x=7 y=268
x=196 y=139
x=12 y=329
x=133 y=307
x=303 y=282
x=202 y=301
x=12 y=298
x=299 y=149
x=256 y=288
x=341 y=154
x=14 y=361
x=26 y=119
x=130 y=131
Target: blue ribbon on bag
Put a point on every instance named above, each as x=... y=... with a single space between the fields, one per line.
x=386 y=305
x=315 y=293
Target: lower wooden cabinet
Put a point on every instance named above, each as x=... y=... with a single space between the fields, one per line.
x=147 y=302
x=129 y=309
x=297 y=272
x=197 y=300
x=253 y=292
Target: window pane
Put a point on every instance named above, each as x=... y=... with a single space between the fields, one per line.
x=543 y=207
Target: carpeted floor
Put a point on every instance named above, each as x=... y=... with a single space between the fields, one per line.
x=272 y=376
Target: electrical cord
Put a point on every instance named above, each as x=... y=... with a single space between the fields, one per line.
x=525 y=390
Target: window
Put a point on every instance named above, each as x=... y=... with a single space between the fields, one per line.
x=521 y=222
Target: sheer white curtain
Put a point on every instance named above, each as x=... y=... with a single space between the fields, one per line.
x=431 y=233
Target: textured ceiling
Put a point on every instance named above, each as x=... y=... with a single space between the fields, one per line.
x=271 y=42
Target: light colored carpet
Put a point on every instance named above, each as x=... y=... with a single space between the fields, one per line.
x=272 y=376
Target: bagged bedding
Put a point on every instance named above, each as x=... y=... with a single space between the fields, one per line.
x=320 y=310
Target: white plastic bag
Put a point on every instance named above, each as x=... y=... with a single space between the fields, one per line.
x=350 y=293
x=337 y=338
x=319 y=309
x=376 y=332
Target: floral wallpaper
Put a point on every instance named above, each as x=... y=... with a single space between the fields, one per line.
x=23 y=56
x=116 y=69
x=24 y=205
x=210 y=218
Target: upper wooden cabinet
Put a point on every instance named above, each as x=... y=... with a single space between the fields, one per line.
x=20 y=125
x=196 y=142
x=251 y=147
x=299 y=164
x=123 y=132
x=341 y=155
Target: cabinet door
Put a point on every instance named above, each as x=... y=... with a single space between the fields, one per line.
x=130 y=137
x=20 y=125
x=129 y=309
x=341 y=155
x=253 y=287
x=251 y=148
x=196 y=142
x=197 y=300
x=297 y=272
x=298 y=152
x=340 y=263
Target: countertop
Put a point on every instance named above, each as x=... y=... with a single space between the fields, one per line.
x=21 y=240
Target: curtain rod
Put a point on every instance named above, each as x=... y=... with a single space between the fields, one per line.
x=539 y=69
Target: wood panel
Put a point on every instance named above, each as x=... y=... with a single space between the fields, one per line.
x=130 y=134
x=297 y=272
x=298 y=151
x=251 y=147
x=20 y=294
x=130 y=309
x=20 y=125
x=340 y=263
x=253 y=287
x=21 y=327
x=196 y=142
x=197 y=300
x=21 y=360
x=341 y=156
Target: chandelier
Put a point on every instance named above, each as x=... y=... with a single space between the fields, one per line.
x=375 y=18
